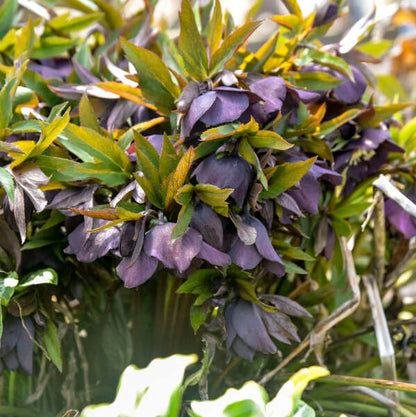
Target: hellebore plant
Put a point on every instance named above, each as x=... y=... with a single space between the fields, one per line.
x=218 y=181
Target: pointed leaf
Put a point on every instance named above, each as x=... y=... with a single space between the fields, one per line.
x=268 y=139
x=51 y=341
x=87 y=115
x=184 y=218
x=215 y=28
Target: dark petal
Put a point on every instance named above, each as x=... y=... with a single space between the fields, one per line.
x=213 y=256
x=198 y=108
x=134 y=188
x=75 y=92
x=286 y=305
x=228 y=316
x=25 y=346
x=243 y=350
x=126 y=239
x=245 y=256
x=369 y=139
x=119 y=114
x=289 y=203
x=1 y=367
x=209 y=224
x=277 y=268
x=400 y=219
x=84 y=74
x=227 y=107
x=139 y=272
x=272 y=91
x=226 y=172
x=250 y=327
x=325 y=13
x=307 y=197
x=73 y=197
x=76 y=239
x=330 y=243
x=10 y=334
x=11 y=361
x=157 y=142
x=350 y=92
x=280 y=326
x=263 y=244
x=319 y=171
x=178 y=254
x=30 y=178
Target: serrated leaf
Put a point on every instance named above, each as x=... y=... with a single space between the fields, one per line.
x=198 y=316
x=179 y=176
x=191 y=46
x=51 y=342
x=154 y=77
x=329 y=126
x=285 y=176
x=230 y=45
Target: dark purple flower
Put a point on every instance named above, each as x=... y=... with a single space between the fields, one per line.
x=221 y=105
x=209 y=224
x=272 y=91
x=17 y=343
x=226 y=172
x=89 y=246
x=364 y=156
x=400 y=219
x=249 y=328
x=176 y=255
x=249 y=256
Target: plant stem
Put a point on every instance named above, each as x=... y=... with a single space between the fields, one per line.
x=348 y=407
x=368 y=382
x=12 y=387
x=7 y=411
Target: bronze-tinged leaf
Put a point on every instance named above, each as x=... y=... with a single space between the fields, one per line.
x=191 y=46
x=230 y=45
x=293 y=7
x=179 y=176
x=269 y=139
x=105 y=214
x=154 y=77
x=184 y=218
x=215 y=28
x=87 y=115
x=329 y=126
x=286 y=176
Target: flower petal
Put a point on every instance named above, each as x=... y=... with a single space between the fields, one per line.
x=213 y=256
x=245 y=256
x=139 y=272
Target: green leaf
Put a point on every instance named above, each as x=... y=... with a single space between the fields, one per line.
x=246 y=408
x=341 y=226
x=184 y=218
x=333 y=124
x=391 y=88
x=407 y=136
x=326 y=59
x=140 y=391
x=293 y=7
x=385 y=112
x=42 y=276
x=230 y=45
x=247 y=152
x=198 y=316
x=215 y=28
x=199 y=282
x=25 y=41
x=191 y=46
x=52 y=46
x=51 y=342
x=98 y=146
x=87 y=115
x=154 y=77
x=64 y=23
x=268 y=139
x=6 y=102
x=185 y=194
x=7 y=287
x=314 y=80
x=214 y=197
x=112 y=15
x=169 y=159
x=7 y=182
x=285 y=176
x=178 y=177
x=7 y=14
x=152 y=193
x=146 y=148
x=376 y=48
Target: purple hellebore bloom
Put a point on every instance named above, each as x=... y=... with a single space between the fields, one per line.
x=349 y=92
x=272 y=91
x=209 y=224
x=52 y=68
x=220 y=105
x=226 y=172
x=249 y=256
x=400 y=219
x=17 y=345
x=364 y=156
x=249 y=328
x=176 y=255
x=90 y=246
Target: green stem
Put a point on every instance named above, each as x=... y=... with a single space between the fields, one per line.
x=7 y=411
x=355 y=408
x=12 y=387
